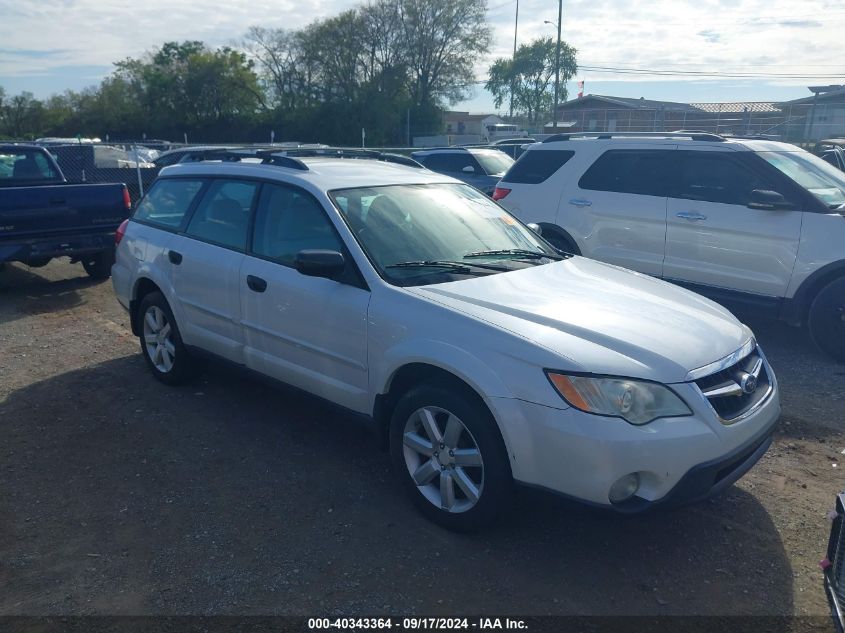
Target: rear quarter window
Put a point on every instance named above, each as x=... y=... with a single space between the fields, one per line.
x=537 y=166
x=168 y=201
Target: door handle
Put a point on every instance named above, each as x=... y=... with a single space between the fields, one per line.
x=580 y=202
x=174 y=257
x=691 y=216
x=256 y=283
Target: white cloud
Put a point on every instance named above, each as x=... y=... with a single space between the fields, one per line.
x=764 y=36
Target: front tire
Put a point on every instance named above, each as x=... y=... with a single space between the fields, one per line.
x=827 y=320
x=98 y=266
x=161 y=342
x=448 y=452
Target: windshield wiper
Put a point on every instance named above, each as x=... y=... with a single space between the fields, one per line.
x=457 y=267
x=519 y=252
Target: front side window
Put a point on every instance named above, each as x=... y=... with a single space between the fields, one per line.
x=716 y=177
x=408 y=231
x=629 y=171
x=223 y=214
x=822 y=180
x=289 y=220
x=167 y=202
x=451 y=162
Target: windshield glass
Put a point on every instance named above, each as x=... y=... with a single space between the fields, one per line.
x=811 y=172
x=494 y=162
x=429 y=226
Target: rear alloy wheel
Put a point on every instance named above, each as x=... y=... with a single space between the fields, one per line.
x=450 y=456
x=161 y=343
x=827 y=320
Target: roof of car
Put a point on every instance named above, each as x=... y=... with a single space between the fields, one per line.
x=323 y=173
x=439 y=150
x=693 y=139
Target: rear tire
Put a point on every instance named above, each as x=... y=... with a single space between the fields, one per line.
x=98 y=266
x=827 y=320
x=447 y=450
x=161 y=342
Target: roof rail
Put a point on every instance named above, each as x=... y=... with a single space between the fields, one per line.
x=340 y=152
x=268 y=157
x=695 y=136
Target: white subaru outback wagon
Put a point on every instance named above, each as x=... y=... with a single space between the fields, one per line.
x=481 y=353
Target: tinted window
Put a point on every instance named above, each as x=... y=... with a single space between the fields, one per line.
x=223 y=214
x=168 y=201
x=717 y=177
x=535 y=167
x=494 y=163
x=451 y=162
x=629 y=171
x=289 y=220
x=21 y=164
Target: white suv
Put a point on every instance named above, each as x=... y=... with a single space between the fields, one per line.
x=749 y=223
x=479 y=352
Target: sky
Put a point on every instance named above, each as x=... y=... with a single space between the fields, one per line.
x=772 y=49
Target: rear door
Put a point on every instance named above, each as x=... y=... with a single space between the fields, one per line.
x=714 y=239
x=205 y=263
x=616 y=211
x=310 y=332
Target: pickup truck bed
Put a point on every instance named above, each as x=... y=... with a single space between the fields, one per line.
x=43 y=218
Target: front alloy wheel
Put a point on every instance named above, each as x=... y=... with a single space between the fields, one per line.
x=449 y=454
x=443 y=459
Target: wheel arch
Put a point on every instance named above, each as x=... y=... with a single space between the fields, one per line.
x=549 y=228
x=143 y=287
x=796 y=310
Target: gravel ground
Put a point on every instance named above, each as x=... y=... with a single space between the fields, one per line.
x=119 y=495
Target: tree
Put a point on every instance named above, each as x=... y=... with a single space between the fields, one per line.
x=529 y=76
x=443 y=40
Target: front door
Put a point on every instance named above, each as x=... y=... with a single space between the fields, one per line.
x=309 y=332
x=714 y=239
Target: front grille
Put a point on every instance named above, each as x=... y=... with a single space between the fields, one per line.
x=729 y=390
x=836 y=552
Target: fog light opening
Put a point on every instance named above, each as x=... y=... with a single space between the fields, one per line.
x=624 y=488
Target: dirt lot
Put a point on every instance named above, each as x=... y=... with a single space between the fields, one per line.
x=119 y=495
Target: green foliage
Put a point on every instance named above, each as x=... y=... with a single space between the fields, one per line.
x=530 y=77
x=369 y=67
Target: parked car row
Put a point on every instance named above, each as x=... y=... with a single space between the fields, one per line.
x=481 y=354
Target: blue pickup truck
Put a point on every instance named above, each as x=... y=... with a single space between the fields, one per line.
x=43 y=217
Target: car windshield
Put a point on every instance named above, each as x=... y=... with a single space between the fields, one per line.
x=494 y=162
x=811 y=172
x=419 y=234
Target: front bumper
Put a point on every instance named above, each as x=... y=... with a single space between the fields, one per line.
x=677 y=460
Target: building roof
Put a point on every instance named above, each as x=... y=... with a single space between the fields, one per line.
x=837 y=94
x=738 y=106
x=608 y=102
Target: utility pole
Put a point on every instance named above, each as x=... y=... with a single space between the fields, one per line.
x=515 y=25
x=557 y=63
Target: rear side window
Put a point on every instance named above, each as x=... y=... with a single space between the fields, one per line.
x=642 y=172
x=167 y=202
x=25 y=164
x=223 y=213
x=450 y=162
x=535 y=167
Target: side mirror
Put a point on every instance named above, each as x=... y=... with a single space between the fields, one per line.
x=469 y=169
x=768 y=200
x=320 y=263
x=535 y=227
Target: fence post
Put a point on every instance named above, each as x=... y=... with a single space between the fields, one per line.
x=138 y=170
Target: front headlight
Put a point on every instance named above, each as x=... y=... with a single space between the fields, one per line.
x=636 y=401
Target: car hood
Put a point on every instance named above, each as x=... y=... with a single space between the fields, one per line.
x=599 y=318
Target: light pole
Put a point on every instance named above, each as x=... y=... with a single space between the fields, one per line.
x=557 y=60
x=515 y=25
